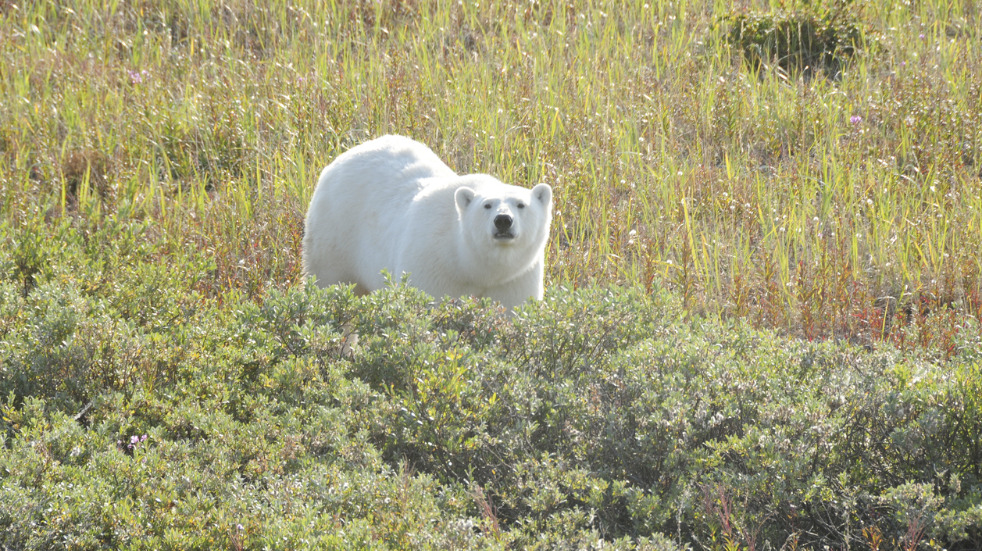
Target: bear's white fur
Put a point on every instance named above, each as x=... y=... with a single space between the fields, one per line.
x=392 y=204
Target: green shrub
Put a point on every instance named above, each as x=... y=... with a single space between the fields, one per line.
x=593 y=415
x=806 y=37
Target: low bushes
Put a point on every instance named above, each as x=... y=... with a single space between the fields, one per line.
x=594 y=415
x=805 y=38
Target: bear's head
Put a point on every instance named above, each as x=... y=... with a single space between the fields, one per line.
x=503 y=222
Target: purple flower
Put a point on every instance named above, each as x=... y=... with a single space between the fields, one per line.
x=855 y=119
x=136 y=77
x=134 y=441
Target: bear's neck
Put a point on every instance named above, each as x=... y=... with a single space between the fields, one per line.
x=490 y=268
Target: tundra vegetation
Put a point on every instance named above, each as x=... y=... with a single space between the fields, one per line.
x=761 y=324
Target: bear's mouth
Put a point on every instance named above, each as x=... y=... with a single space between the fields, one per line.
x=506 y=235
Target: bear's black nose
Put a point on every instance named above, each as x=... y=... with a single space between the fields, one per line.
x=502 y=222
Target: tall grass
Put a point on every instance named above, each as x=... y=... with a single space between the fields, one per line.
x=844 y=206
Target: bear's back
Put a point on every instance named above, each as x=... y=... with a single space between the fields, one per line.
x=391 y=165
x=366 y=203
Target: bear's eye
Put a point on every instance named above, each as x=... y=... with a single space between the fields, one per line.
x=521 y=205
x=487 y=206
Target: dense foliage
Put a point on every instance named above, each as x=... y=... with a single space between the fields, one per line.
x=152 y=419
x=841 y=207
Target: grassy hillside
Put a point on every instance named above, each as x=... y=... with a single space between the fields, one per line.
x=764 y=284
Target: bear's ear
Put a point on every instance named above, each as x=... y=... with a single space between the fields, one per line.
x=463 y=196
x=543 y=194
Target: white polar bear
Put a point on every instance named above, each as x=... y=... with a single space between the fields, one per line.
x=392 y=204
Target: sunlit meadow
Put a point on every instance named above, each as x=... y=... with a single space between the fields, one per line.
x=824 y=206
x=156 y=159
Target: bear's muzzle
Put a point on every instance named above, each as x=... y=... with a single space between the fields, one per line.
x=503 y=226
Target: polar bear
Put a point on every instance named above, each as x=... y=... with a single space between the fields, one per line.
x=392 y=204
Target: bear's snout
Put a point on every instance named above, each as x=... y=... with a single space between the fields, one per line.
x=503 y=222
